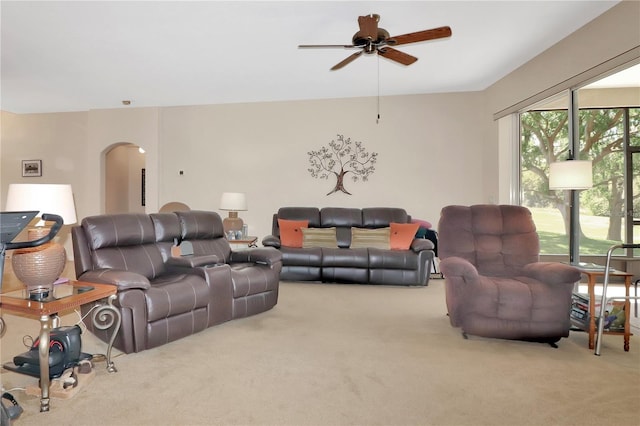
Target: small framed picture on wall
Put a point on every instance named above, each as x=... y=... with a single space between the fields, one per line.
x=31 y=168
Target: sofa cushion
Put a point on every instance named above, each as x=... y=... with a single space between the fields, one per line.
x=380 y=217
x=290 y=232
x=312 y=214
x=345 y=258
x=301 y=257
x=319 y=237
x=117 y=230
x=365 y=238
x=249 y=279
x=340 y=217
x=402 y=234
x=392 y=259
x=144 y=259
x=175 y=294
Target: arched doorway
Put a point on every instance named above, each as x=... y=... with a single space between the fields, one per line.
x=124 y=179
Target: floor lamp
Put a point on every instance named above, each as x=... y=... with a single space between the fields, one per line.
x=572 y=175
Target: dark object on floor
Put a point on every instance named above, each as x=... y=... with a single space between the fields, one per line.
x=65 y=351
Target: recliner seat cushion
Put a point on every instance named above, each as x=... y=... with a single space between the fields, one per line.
x=345 y=258
x=176 y=294
x=249 y=279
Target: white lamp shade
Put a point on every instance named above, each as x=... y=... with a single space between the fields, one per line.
x=46 y=198
x=233 y=201
x=570 y=174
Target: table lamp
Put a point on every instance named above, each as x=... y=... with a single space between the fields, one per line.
x=571 y=175
x=39 y=267
x=233 y=202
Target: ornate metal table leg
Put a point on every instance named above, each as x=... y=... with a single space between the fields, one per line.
x=105 y=316
x=43 y=352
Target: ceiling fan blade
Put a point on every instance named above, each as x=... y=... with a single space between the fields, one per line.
x=369 y=26
x=346 y=61
x=325 y=46
x=396 y=55
x=432 y=34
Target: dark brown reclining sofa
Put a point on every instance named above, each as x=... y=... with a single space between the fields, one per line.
x=344 y=264
x=162 y=298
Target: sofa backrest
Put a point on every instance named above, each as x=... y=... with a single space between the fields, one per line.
x=168 y=231
x=381 y=217
x=498 y=239
x=205 y=232
x=342 y=219
x=120 y=241
x=312 y=214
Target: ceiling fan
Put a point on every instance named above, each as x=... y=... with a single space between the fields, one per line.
x=373 y=39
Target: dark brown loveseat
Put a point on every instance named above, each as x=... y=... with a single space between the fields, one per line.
x=345 y=264
x=161 y=297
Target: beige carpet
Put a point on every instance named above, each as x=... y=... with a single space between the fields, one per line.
x=347 y=355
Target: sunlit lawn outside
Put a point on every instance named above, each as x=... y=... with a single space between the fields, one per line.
x=553 y=239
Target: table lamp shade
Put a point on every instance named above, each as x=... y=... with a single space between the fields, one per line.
x=46 y=198
x=233 y=201
x=570 y=174
x=40 y=266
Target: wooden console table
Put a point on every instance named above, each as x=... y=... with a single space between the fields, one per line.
x=592 y=276
x=65 y=297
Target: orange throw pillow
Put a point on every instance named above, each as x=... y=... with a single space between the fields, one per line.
x=290 y=232
x=402 y=235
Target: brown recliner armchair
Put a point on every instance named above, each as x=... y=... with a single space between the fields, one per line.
x=495 y=284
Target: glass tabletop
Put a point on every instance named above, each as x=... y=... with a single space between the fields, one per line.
x=60 y=291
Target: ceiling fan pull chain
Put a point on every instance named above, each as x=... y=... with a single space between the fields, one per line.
x=378 y=106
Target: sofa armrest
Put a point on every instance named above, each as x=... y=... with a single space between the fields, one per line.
x=553 y=273
x=124 y=280
x=420 y=244
x=193 y=261
x=271 y=241
x=458 y=267
x=263 y=255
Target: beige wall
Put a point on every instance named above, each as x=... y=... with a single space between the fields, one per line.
x=433 y=150
x=428 y=153
x=59 y=140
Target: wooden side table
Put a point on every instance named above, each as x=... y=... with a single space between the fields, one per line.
x=592 y=276
x=65 y=297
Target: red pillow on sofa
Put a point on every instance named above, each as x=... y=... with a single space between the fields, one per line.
x=402 y=235
x=290 y=233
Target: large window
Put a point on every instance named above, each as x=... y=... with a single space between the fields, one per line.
x=610 y=137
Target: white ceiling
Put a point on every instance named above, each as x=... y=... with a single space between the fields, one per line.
x=76 y=56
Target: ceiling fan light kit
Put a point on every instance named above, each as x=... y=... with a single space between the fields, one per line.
x=373 y=39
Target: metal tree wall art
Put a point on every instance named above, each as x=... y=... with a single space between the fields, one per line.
x=340 y=158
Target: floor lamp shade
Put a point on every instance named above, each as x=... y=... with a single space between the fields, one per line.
x=233 y=202
x=570 y=174
x=38 y=267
